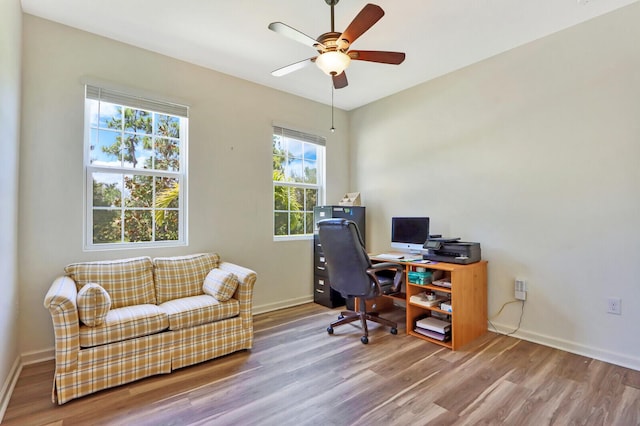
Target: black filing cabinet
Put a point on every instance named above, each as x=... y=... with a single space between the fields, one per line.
x=322 y=291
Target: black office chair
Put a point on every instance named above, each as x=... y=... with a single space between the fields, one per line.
x=352 y=274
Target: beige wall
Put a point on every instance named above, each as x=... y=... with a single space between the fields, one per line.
x=230 y=189
x=535 y=153
x=10 y=36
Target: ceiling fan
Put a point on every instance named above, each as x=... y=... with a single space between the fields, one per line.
x=334 y=55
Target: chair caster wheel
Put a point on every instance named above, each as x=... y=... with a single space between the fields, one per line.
x=394 y=331
x=330 y=330
x=340 y=316
x=364 y=339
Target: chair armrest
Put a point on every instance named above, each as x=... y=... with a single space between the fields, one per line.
x=61 y=303
x=398 y=278
x=244 y=292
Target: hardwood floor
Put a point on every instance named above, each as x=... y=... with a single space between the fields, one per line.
x=297 y=374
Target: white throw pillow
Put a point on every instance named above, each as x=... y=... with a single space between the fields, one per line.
x=220 y=284
x=93 y=304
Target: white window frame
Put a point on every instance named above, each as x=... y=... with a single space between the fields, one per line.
x=128 y=98
x=304 y=137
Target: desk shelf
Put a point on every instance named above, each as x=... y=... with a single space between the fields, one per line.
x=468 y=297
x=446 y=344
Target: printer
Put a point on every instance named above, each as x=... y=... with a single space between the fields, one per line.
x=451 y=251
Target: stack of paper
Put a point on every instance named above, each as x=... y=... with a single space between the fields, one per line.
x=434 y=328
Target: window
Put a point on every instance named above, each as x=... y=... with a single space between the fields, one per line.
x=298 y=181
x=135 y=165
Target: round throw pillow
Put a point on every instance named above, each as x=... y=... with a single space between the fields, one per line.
x=93 y=304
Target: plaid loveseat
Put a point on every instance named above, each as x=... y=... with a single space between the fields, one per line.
x=122 y=320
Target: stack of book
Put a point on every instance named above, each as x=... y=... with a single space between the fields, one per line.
x=435 y=328
x=421 y=299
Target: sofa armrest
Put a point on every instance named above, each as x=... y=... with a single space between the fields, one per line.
x=244 y=292
x=61 y=303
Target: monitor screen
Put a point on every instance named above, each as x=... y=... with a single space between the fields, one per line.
x=408 y=234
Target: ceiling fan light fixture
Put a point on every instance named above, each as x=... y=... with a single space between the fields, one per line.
x=333 y=62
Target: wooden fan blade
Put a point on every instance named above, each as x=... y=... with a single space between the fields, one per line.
x=294 y=34
x=395 y=58
x=292 y=67
x=340 y=80
x=369 y=15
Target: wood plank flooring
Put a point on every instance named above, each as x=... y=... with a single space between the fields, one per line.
x=297 y=374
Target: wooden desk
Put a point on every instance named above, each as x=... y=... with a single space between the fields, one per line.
x=468 y=297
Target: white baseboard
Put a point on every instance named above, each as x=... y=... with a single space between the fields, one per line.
x=35 y=357
x=261 y=309
x=7 y=387
x=569 y=346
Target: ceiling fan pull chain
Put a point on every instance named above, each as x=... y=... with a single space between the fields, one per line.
x=333 y=129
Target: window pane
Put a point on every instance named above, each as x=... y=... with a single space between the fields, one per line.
x=281 y=223
x=293 y=171
x=167 y=126
x=297 y=223
x=107 y=189
x=167 y=193
x=168 y=225
x=137 y=225
x=167 y=155
x=311 y=198
x=138 y=191
x=308 y=224
x=94 y=117
x=144 y=153
x=278 y=148
x=310 y=152
x=137 y=121
x=280 y=198
x=110 y=116
x=106 y=226
x=105 y=148
x=278 y=167
x=310 y=172
x=136 y=151
x=296 y=200
x=295 y=148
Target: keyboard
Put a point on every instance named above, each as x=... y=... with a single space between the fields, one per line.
x=392 y=256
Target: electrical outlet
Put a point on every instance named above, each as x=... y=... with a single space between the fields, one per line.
x=520 y=289
x=614 y=305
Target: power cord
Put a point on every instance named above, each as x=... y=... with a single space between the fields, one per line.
x=500 y=311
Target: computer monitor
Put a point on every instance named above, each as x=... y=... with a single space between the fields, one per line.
x=408 y=234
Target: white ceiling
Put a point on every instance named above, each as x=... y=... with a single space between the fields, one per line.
x=438 y=36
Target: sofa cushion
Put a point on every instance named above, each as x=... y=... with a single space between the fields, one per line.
x=220 y=284
x=125 y=323
x=182 y=276
x=195 y=310
x=93 y=304
x=128 y=281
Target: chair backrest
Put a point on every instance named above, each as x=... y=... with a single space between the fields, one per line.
x=346 y=257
